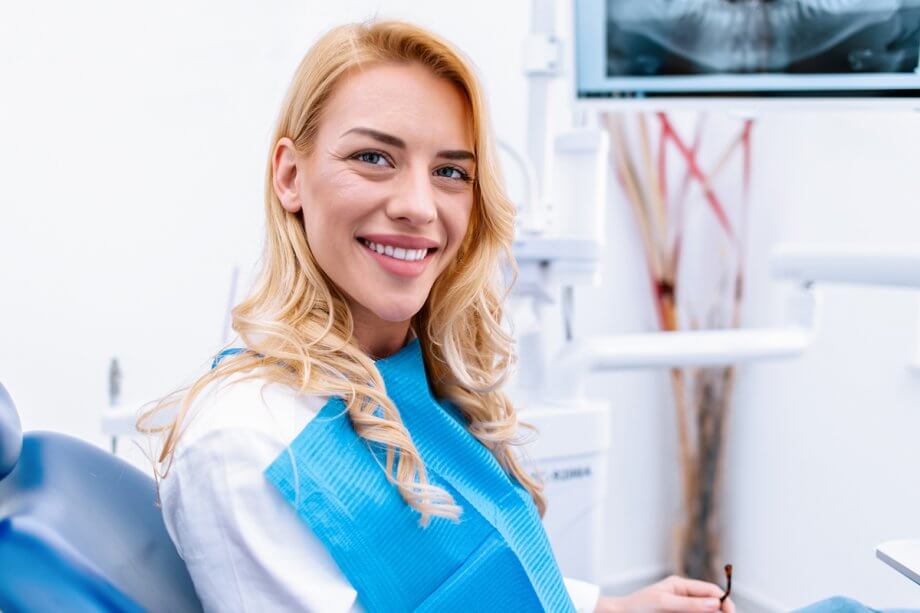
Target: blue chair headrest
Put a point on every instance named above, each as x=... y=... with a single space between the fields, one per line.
x=10 y=434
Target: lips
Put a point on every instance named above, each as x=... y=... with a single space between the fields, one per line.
x=398 y=262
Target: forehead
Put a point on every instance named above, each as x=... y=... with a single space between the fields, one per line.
x=405 y=100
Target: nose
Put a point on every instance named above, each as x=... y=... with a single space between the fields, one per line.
x=413 y=202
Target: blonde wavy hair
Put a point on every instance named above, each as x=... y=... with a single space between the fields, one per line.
x=296 y=320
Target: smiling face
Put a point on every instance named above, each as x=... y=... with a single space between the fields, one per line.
x=387 y=188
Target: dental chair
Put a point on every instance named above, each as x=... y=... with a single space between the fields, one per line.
x=80 y=529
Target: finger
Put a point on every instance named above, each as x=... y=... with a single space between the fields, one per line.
x=728 y=606
x=692 y=587
x=689 y=604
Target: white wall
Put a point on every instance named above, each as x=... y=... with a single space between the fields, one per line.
x=132 y=148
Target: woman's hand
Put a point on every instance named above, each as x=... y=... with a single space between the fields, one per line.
x=672 y=595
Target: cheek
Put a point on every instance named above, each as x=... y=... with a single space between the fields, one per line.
x=334 y=203
x=457 y=220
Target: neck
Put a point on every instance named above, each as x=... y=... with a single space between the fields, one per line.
x=377 y=337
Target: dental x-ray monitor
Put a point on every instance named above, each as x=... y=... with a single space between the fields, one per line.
x=834 y=52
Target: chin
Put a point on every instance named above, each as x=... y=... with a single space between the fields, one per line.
x=394 y=310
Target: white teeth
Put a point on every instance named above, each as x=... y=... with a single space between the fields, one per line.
x=398 y=253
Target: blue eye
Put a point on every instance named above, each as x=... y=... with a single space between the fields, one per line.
x=460 y=175
x=371 y=157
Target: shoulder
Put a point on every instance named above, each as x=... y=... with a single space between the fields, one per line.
x=244 y=546
x=233 y=429
x=239 y=407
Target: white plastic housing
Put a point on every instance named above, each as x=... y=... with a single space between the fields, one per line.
x=571 y=456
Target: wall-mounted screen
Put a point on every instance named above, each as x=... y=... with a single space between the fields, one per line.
x=633 y=49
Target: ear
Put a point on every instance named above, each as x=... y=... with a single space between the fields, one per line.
x=284 y=175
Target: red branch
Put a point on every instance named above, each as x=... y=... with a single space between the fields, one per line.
x=698 y=173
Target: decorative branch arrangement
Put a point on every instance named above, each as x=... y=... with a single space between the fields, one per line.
x=677 y=225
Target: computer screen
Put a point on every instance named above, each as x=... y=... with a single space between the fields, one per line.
x=639 y=49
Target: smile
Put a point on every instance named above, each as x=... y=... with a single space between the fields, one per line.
x=399 y=261
x=397 y=253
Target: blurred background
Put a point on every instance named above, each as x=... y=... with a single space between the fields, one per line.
x=133 y=147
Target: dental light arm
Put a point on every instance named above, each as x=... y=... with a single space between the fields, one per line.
x=676 y=349
x=854 y=264
x=805 y=265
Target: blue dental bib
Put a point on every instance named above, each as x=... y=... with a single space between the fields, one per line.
x=496 y=558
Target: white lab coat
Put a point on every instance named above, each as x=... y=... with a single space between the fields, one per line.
x=245 y=546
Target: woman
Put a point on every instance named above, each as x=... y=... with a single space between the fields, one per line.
x=357 y=452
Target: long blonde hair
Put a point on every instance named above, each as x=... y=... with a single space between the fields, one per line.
x=296 y=320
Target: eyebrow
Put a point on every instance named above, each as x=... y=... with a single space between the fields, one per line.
x=395 y=141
